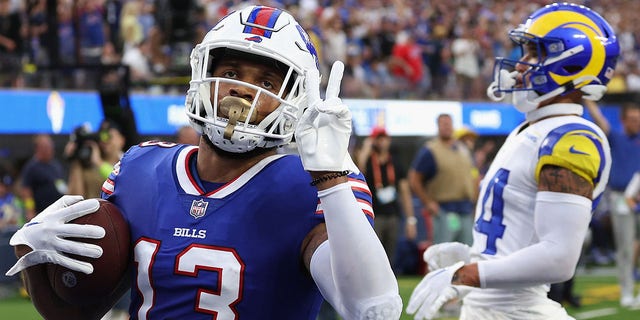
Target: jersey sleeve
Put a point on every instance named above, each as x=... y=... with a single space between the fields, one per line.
x=109 y=185
x=576 y=147
x=362 y=193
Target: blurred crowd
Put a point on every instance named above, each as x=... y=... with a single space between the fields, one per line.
x=404 y=49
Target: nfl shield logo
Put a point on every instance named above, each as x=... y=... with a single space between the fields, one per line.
x=198 y=208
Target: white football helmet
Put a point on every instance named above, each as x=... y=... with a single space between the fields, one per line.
x=259 y=33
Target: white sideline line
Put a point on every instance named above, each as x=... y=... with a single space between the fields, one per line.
x=595 y=313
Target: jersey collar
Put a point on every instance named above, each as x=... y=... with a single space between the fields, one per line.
x=557 y=109
x=189 y=181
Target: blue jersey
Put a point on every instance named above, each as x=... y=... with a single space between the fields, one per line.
x=221 y=252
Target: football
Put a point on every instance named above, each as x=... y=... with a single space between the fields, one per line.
x=78 y=288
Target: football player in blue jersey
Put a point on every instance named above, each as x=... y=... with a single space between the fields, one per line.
x=232 y=229
x=537 y=197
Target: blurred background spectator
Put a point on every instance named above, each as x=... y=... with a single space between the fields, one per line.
x=11 y=218
x=466 y=64
x=43 y=178
x=439 y=49
x=91 y=156
x=442 y=178
x=625 y=152
x=11 y=209
x=387 y=180
x=12 y=35
x=632 y=196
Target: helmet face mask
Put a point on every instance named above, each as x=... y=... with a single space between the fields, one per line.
x=256 y=35
x=576 y=49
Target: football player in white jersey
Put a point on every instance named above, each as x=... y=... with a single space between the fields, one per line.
x=537 y=197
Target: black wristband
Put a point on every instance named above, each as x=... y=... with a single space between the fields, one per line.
x=329 y=176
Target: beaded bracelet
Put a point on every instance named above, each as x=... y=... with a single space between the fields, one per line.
x=329 y=176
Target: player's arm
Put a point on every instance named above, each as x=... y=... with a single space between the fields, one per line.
x=568 y=167
x=562 y=215
x=50 y=306
x=345 y=258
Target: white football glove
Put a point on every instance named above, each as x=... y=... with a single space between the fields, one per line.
x=434 y=291
x=45 y=235
x=442 y=255
x=322 y=135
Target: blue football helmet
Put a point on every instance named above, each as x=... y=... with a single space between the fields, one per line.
x=577 y=50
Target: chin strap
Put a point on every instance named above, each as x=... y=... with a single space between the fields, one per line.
x=505 y=80
x=590 y=91
x=593 y=91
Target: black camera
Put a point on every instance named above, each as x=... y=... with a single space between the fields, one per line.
x=81 y=136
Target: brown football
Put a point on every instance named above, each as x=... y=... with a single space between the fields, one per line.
x=81 y=289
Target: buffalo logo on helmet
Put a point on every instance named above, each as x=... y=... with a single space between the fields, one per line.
x=257 y=39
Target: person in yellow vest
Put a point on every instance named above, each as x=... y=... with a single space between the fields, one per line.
x=441 y=176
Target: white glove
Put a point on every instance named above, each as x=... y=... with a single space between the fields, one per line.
x=45 y=235
x=322 y=135
x=503 y=80
x=434 y=291
x=442 y=255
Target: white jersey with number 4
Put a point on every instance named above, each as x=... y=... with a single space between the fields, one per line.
x=504 y=218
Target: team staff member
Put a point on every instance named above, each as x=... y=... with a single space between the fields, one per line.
x=387 y=179
x=442 y=177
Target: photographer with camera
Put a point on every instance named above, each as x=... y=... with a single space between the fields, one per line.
x=92 y=156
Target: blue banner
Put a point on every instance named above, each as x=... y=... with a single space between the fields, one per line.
x=59 y=112
x=158 y=114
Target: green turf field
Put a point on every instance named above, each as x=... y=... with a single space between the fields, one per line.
x=599 y=293
x=600 y=298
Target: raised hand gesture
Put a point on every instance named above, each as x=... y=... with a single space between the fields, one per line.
x=324 y=129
